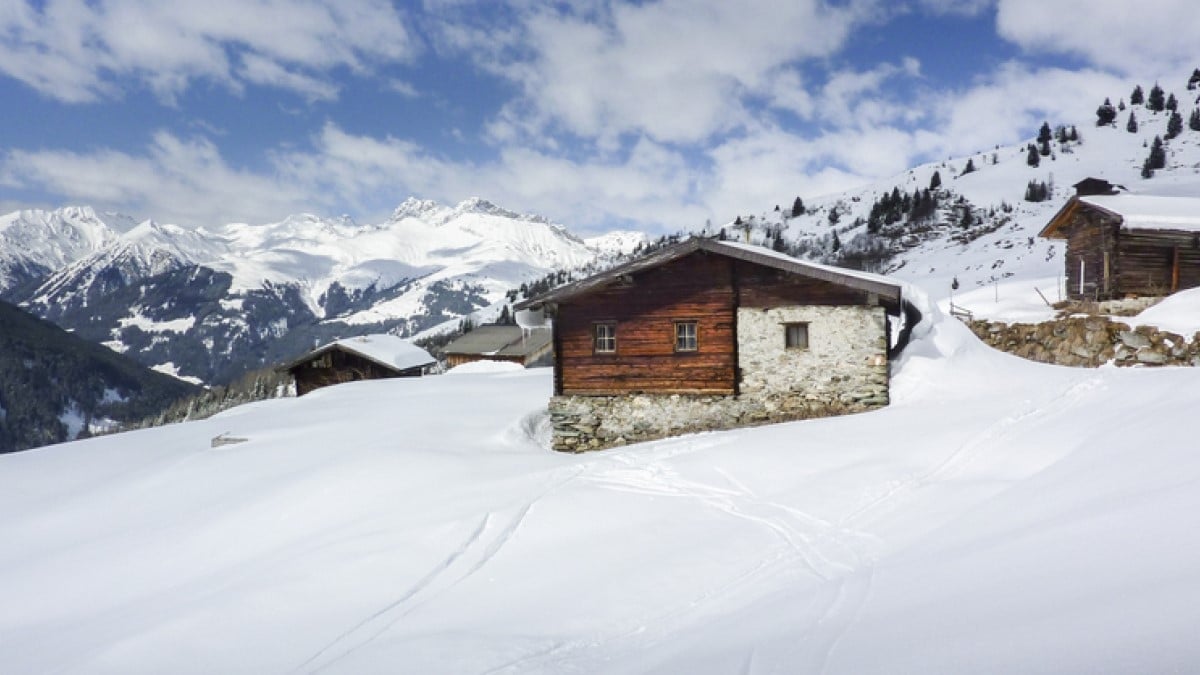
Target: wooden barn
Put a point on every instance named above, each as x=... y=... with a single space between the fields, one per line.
x=369 y=357
x=529 y=348
x=1124 y=245
x=708 y=335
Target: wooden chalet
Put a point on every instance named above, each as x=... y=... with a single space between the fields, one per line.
x=500 y=343
x=707 y=319
x=369 y=357
x=1123 y=245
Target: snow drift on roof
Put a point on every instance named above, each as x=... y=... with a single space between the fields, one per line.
x=1151 y=212
x=387 y=350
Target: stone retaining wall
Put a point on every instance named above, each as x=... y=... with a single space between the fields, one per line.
x=1089 y=342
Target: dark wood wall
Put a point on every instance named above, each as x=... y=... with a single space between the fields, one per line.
x=701 y=287
x=1156 y=262
x=336 y=366
x=1120 y=262
x=764 y=287
x=698 y=287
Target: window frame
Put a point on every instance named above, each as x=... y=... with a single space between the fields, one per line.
x=695 y=336
x=611 y=338
x=787 y=335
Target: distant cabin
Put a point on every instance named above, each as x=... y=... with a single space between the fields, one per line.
x=1123 y=245
x=529 y=348
x=369 y=357
x=708 y=335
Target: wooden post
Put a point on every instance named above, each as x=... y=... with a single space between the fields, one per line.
x=1175 y=270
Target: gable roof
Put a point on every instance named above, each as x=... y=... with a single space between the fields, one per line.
x=385 y=350
x=885 y=288
x=499 y=341
x=1135 y=212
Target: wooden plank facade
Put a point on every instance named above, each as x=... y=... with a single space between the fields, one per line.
x=646 y=306
x=336 y=366
x=1105 y=260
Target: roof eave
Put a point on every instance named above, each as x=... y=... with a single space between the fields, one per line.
x=892 y=292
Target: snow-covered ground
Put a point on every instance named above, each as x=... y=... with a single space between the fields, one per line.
x=999 y=516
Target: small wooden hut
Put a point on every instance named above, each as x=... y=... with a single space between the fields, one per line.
x=1123 y=245
x=369 y=357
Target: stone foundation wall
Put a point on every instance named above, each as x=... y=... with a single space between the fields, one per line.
x=582 y=423
x=1090 y=342
x=844 y=370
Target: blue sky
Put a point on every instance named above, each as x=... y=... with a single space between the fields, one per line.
x=656 y=115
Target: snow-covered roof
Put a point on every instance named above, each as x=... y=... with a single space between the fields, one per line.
x=388 y=351
x=500 y=341
x=1150 y=212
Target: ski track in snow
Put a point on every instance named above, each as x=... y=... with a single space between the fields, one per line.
x=379 y=622
x=973 y=449
x=820 y=547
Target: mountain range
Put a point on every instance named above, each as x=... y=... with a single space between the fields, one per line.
x=207 y=305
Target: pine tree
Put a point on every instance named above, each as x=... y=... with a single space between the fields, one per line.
x=1172 y=103
x=836 y=245
x=1147 y=172
x=1044 y=148
x=797 y=207
x=1131 y=126
x=1138 y=97
x=777 y=243
x=1105 y=114
x=1194 y=80
x=1032 y=158
x=1157 y=100
x=1158 y=154
x=935 y=181
x=1194 y=120
x=1174 y=125
x=1074 y=135
x=969 y=168
x=1044 y=134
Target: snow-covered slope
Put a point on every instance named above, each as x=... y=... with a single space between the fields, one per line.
x=999 y=516
x=997 y=244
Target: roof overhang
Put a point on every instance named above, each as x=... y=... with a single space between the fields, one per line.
x=335 y=346
x=889 y=293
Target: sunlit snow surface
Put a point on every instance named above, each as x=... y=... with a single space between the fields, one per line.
x=999 y=516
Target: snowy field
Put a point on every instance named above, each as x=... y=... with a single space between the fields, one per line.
x=1000 y=516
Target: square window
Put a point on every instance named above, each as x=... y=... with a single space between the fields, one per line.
x=604 y=338
x=685 y=336
x=795 y=335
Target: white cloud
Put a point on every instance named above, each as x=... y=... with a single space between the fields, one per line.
x=259 y=70
x=1013 y=103
x=175 y=180
x=79 y=51
x=675 y=70
x=1131 y=38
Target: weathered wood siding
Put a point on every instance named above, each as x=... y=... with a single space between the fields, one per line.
x=762 y=287
x=1091 y=239
x=698 y=288
x=1156 y=262
x=339 y=367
